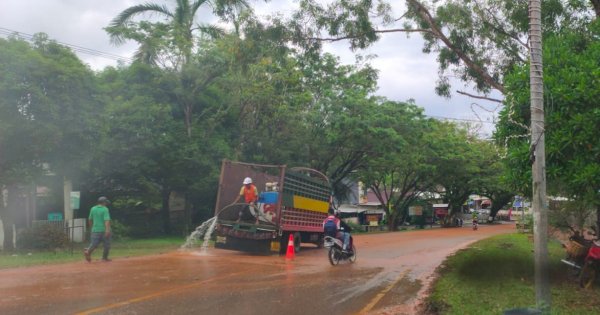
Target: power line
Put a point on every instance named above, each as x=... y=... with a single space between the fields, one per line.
x=461 y=119
x=76 y=48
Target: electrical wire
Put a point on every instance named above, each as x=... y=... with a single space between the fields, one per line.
x=76 y=48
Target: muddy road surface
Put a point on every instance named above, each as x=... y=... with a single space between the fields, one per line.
x=391 y=273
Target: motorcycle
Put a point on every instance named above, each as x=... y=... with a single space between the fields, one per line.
x=576 y=250
x=591 y=266
x=335 y=253
x=474 y=225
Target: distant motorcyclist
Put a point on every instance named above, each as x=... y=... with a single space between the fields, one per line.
x=333 y=226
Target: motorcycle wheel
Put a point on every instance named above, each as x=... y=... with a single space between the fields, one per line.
x=334 y=256
x=353 y=257
x=588 y=275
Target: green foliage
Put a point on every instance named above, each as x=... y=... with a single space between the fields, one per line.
x=402 y=166
x=119 y=230
x=356 y=228
x=571 y=63
x=572 y=216
x=172 y=41
x=463 y=286
x=478 y=42
x=464 y=165
x=44 y=120
x=140 y=133
x=43 y=237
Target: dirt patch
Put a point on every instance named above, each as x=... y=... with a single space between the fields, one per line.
x=403 y=292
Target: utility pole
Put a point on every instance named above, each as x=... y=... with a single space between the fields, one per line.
x=538 y=156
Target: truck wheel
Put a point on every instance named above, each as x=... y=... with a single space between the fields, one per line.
x=283 y=243
x=321 y=242
x=297 y=242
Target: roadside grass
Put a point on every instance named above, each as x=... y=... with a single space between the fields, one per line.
x=120 y=248
x=496 y=274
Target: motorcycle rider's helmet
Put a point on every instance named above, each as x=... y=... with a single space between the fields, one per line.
x=247 y=180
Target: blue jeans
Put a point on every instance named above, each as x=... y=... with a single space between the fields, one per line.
x=96 y=238
x=345 y=236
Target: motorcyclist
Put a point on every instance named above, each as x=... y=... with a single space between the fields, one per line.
x=335 y=227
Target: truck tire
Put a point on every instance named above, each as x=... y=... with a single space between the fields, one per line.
x=321 y=242
x=297 y=242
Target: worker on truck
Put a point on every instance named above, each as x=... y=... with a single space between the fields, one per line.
x=250 y=194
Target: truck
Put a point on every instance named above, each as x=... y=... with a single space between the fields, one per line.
x=292 y=201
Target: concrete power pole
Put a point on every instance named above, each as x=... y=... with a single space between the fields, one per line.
x=538 y=155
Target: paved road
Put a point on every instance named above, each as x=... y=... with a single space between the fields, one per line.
x=391 y=273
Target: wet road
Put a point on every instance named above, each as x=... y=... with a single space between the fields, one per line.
x=391 y=273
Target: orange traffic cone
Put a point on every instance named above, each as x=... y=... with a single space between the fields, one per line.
x=290 y=248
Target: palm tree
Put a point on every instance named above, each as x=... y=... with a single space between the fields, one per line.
x=539 y=202
x=180 y=27
x=174 y=40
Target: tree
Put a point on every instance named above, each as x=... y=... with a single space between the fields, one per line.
x=572 y=119
x=143 y=154
x=475 y=41
x=539 y=199
x=47 y=114
x=340 y=118
x=494 y=182
x=173 y=44
x=461 y=164
x=178 y=36
x=403 y=169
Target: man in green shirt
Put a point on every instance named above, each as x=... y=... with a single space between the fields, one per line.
x=99 y=221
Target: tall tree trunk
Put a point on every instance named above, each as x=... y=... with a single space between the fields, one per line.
x=7 y=216
x=539 y=200
x=499 y=201
x=392 y=222
x=596 y=5
x=598 y=221
x=166 y=211
x=188 y=213
x=7 y=226
x=188 y=120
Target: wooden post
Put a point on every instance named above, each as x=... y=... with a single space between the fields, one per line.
x=539 y=200
x=67 y=209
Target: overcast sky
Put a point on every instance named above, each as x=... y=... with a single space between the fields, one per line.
x=404 y=71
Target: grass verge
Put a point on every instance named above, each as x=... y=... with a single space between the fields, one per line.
x=121 y=248
x=496 y=274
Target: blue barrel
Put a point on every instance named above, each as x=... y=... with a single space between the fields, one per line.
x=269 y=197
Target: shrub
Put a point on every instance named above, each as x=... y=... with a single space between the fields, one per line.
x=42 y=237
x=119 y=230
x=356 y=228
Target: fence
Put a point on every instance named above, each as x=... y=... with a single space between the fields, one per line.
x=75 y=229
